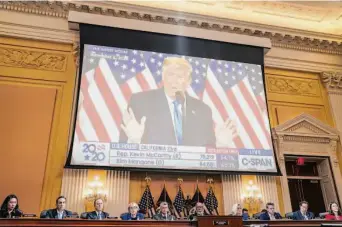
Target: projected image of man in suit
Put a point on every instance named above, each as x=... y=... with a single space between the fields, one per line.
x=170 y=116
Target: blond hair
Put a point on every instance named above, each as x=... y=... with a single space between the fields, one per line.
x=181 y=62
x=235 y=208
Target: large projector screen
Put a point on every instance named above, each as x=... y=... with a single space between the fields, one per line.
x=155 y=110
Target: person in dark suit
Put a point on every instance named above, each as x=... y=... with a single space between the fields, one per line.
x=59 y=212
x=270 y=214
x=164 y=214
x=170 y=116
x=10 y=207
x=303 y=213
x=98 y=213
x=132 y=213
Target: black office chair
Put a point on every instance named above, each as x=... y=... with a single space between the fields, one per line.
x=289 y=215
x=75 y=215
x=257 y=215
x=43 y=214
x=322 y=215
x=84 y=215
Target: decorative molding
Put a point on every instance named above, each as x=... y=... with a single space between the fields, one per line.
x=306 y=139
x=306 y=125
x=76 y=53
x=32 y=59
x=292 y=86
x=332 y=81
x=310 y=41
x=297 y=126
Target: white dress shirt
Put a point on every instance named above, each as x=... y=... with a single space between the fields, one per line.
x=272 y=217
x=60 y=214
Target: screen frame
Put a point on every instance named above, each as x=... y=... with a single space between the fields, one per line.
x=123 y=38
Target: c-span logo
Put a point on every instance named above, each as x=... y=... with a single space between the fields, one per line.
x=256 y=162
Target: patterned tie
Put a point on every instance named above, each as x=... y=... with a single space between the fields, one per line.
x=178 y=122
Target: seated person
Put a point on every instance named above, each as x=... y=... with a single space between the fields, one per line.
x=10 y=207
x=245 y=215
x=303 y=213
x=199 y=211
x=236 y=210
x=132 y=214
x=98 y=213
x=164 y=214
x=334 y=212
x=270 y=214
x=59 y=212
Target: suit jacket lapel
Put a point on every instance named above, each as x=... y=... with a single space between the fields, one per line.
x=166 y=116
x=54 y=213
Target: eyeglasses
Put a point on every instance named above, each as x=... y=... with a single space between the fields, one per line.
x=134 y=207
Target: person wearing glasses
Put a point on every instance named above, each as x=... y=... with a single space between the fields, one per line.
x=132 y=213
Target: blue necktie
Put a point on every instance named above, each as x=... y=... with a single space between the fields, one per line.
x=178 y=122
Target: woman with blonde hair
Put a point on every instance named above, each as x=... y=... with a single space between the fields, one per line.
x=236 y=210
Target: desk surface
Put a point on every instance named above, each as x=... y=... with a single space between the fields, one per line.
x=148 y=223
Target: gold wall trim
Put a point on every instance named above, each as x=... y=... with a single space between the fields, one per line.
x=15 y=57
x=284 y=38
x=276 y=84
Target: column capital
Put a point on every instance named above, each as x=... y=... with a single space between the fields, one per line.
x=332 y=81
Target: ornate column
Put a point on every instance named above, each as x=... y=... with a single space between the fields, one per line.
x=333 y=82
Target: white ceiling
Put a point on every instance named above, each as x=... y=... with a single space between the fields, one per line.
x=317 y=16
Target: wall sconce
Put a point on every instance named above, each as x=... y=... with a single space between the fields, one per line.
x=252 y=195
x=95 y=190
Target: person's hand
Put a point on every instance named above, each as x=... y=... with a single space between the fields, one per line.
x=133 y=129
x=225 y=134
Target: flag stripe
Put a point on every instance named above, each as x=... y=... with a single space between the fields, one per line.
x=108 y=97
x=233 y=100
x=103 y=110
x=242 y=132
x=86 y=126
x=90 y=109
x=142 y=82
x=218 y=104
x=256 y=111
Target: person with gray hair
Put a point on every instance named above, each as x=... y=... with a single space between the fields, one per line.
x=198 y=210
x=164 y=213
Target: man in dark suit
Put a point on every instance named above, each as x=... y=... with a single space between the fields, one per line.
x=270 y=214
x=170 y=116
x=303 y=213
x=59 y=212
x=98 y=213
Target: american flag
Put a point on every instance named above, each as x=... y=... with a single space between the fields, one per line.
x=179 y=201
x=146 y=203
x=111 y=75
x=235 y=91
x=108 y=83
x=211 y=201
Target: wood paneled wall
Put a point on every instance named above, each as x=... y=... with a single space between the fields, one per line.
x=36 y=94
x=37 y=81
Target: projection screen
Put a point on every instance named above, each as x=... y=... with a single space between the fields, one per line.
x=146 y=109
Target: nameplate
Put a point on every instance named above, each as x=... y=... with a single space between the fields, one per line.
x=225 y=222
